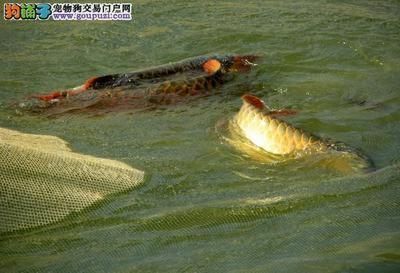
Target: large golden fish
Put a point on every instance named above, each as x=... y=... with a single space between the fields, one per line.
x=259 y=125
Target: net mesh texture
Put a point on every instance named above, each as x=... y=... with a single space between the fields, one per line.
x=43 y=181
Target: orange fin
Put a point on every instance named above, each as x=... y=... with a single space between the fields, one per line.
x=253 y=100
x=48 y=97
x=57 y=94
x=89 y=83
x=283 y=112
x=76 y=91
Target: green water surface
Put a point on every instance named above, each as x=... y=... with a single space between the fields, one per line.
x=204 y=206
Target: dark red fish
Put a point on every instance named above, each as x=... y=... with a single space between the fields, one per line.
x=141 y=89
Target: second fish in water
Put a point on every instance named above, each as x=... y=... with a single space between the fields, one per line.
x=260 y=126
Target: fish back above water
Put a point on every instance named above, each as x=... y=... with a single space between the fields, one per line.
x=259 y=125
x=270 y=133
x=127 y=98
x=159 y=74
x=141 y=89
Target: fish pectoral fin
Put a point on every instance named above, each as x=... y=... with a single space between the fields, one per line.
x=282 y=112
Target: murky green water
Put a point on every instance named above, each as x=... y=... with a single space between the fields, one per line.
x=205 y=207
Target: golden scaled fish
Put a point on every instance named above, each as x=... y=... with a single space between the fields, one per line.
x=259 y=125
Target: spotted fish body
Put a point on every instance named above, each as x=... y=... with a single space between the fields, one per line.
x=259 y=125
x=191 y=85
x=165 y=84
x=229 y=63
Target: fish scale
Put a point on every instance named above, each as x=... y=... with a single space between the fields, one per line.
x=259 y=125
x=272 y=134
x=165 y=84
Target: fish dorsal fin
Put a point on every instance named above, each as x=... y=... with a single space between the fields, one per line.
x=254 y=101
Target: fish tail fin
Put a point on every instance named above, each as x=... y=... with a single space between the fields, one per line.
x=90 y=83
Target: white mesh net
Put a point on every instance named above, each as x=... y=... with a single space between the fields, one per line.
x=42 y=180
